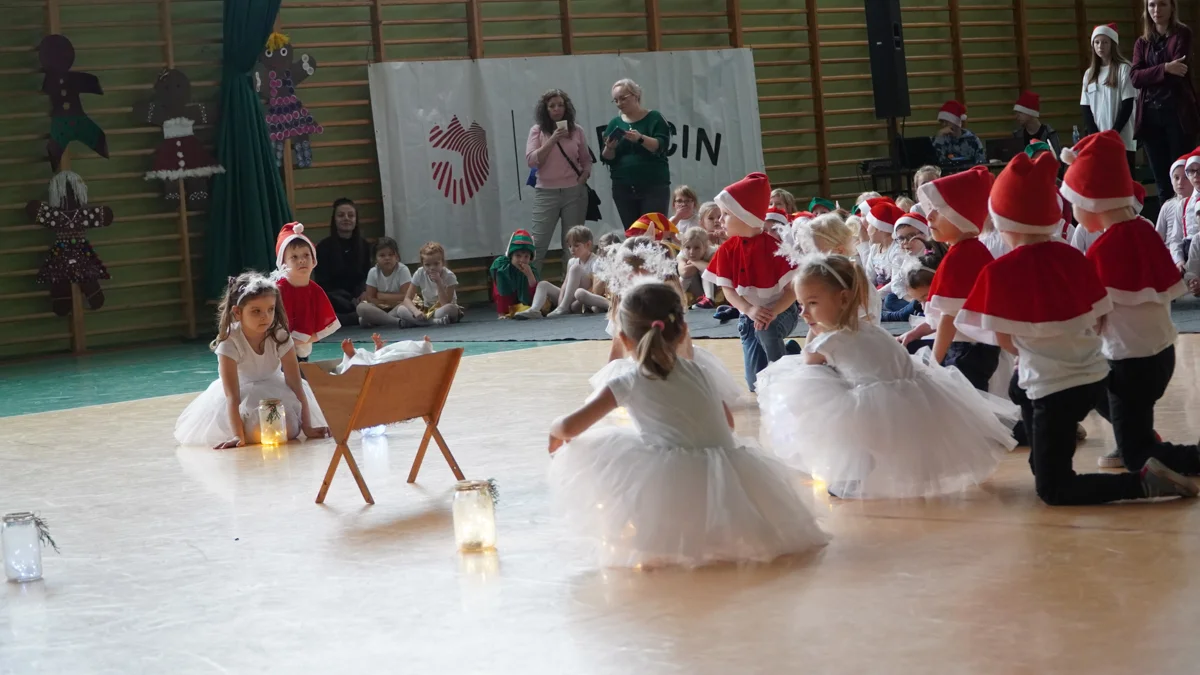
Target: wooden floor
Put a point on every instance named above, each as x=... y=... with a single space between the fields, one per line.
x=197 y=561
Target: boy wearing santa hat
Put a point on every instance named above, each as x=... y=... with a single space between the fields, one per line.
x=957 y=207
x=1041 y=303
x=953 y=142
x=1028 y=113
x=1134 y=265
x=1189 y=218
x=1170 y=213
x=309 y=312
x=756 y=280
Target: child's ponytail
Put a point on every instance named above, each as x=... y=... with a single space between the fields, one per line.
x=652 y=315
x=225 y=312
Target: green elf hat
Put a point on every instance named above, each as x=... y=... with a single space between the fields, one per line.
x=1038 y=146
x=521 y=240
x=821 y=201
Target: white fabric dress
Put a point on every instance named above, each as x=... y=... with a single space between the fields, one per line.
x=876 y=423
x=205 y=420
x=678 y=488
x=728 y=389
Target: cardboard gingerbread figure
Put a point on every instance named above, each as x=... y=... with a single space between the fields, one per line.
x=280 y=70
x=70 y=259
x=180 y=155
x=68 y=122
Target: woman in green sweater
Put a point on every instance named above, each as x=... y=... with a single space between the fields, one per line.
x=635 y=151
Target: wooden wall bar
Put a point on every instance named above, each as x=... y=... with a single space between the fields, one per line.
x=812 y=69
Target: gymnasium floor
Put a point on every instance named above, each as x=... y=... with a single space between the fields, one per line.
x=198 y=561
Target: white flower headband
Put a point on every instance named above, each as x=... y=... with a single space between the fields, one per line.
x=621 y=268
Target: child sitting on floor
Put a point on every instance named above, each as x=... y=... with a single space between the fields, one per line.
x=684 y=202
x=256 y=360
x=309 y=312
x=385 y=302
x=677 y=488
x=581 y=270
x=710 y=220
x=438 y=287
x=694 y=254
x=515 y=286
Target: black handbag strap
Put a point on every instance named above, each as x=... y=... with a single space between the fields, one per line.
x=578 y=173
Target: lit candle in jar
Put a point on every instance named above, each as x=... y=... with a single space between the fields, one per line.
x=474 y=516
x=272 y=422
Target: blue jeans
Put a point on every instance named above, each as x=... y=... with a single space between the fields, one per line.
x=761 y=347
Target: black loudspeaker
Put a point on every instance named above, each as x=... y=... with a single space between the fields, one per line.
x=885 y=42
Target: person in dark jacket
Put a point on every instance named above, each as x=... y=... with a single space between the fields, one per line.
x=1167 y=119
x=345 y=260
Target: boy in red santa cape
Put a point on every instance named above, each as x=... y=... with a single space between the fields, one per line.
x=309 y=312
x=957 y=207
x=1042 y=302
x=755 y=279
x=1142 y=280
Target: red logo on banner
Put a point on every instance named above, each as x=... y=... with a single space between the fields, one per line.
x=471 y=145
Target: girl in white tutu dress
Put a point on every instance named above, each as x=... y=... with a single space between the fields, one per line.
x=256 y=360
x=678 y=488
x=858 y=412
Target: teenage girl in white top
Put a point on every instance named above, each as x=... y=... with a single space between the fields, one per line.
x=1108 y=96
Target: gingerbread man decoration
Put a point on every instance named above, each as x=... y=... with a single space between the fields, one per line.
x=70 y=259
x=68 y=122
x=180 y=155
x=280 y=70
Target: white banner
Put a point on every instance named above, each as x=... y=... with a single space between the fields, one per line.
x=451 y=135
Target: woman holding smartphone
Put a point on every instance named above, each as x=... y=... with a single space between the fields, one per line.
x=635 y=150
x=558 y=150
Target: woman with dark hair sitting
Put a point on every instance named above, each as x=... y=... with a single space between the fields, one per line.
x=558 y=149
x=345 y=260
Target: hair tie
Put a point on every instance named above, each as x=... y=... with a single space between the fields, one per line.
x=658 y=324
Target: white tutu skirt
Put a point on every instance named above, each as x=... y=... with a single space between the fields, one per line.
x=930 y=435
x=206 y=422
x=727 y=388
x=656 y=506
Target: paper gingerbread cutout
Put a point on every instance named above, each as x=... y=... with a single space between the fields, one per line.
x=180 y=155
x=275 y=79
x=68 y=122
x=70 y=259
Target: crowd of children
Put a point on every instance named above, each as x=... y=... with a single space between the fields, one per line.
x=1055 y=297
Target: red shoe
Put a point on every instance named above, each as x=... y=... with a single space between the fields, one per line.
x=704 y=303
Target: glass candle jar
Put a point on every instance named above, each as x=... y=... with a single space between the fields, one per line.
x=272 y=422
x=22 y=547
x=474 y=516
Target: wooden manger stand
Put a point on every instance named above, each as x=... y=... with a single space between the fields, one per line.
x=369 y=396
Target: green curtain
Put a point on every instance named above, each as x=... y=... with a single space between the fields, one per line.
x=249 y=205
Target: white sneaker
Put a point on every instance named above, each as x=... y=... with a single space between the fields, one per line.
x=1111 y=460
x=528 y=314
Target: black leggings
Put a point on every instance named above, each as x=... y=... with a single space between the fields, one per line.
x=635 y=201
x=1164 y=140
x=1127 y=402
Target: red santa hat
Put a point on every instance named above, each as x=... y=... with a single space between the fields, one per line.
x=777 y=215
x=1107 y=30
x=865 y=206
x=914 y=220
x=802 y=217
x=1180 y=163
x=1095 y=180
x=1024 y=198
x=953 y=112
x=962 y=198
x=883 y=216
x=1192 y=159
x=1029 y=103
x=748 y=199
x=290 y=233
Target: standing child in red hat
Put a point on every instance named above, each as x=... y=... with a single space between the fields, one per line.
x=957 y=208
x=755 y=279
x=1135 y=267
x=1041 y=302
x=310 y=314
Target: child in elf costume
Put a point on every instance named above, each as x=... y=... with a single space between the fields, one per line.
x=756 y=281
x=1041 y=302
x=515 y=286
x=1142 y=280
x=310 y=314
x=957 y=207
